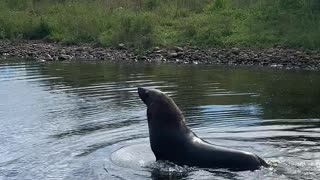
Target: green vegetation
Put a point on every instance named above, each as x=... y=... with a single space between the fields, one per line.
x=147 y=23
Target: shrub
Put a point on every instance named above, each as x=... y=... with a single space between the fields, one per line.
x=144 y=23
x=135 y=30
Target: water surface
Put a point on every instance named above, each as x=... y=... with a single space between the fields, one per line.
x=86 y=121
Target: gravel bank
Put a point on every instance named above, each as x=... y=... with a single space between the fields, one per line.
x=273 y=57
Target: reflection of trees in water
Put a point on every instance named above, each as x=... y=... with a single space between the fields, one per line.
x=92 y=80
x=88 y=92
x=291 y=95
x=280 y=93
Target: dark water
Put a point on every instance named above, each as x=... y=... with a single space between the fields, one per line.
x=85 y=121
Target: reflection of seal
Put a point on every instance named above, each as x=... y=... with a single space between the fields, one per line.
x=172 y=140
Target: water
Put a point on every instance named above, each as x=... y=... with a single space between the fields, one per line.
x=86 y=121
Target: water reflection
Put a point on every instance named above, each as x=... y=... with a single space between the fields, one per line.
x=65 y=120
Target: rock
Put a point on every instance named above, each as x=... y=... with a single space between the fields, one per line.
x=180 y=53
x=235 y=51
x=42 y=60
x=172 y=54
x=121 y=46
x=178 y=49
x=158 y=51
x=48 y=57
x=32 y=54
x=62 y=51
x=64 y=57
x=156 y=48
x=276 y=65
x=159 y=57
x=144 y=58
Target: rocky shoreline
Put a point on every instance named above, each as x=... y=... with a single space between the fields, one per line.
x=273 y=57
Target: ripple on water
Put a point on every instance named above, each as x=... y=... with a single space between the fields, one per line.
x=86 y=121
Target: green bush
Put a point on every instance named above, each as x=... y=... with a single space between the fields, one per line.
x=39 y=30
x=146 y=23
x=132 y=29
x=17 y=4
x=152 y=4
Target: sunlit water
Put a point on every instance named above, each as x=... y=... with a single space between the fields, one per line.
x=86 y=121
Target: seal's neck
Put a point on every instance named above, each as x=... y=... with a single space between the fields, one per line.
x=165 y=117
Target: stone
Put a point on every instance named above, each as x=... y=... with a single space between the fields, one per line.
x=178 y=49
x=121 y=46
x=159 y=57
x=158 y=51
x=63 y=57
x=180 y=53
x=48 y=57
x=235 y=50
x=172 y=54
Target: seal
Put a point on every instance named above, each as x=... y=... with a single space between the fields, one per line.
x=173 y=141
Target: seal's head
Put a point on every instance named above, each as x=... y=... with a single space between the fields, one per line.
x=149 y=95
x=161 y=109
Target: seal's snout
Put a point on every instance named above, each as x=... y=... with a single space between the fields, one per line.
x=143 y=94
x=141 y=90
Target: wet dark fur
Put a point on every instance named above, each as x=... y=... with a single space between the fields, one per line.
x=172 y=140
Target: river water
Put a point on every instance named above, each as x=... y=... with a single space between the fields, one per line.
x=86 y=121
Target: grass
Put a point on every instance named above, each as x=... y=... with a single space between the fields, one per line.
x=146 y=23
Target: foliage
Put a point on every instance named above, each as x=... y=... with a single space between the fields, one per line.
x=147 y=23
x=134 y=29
